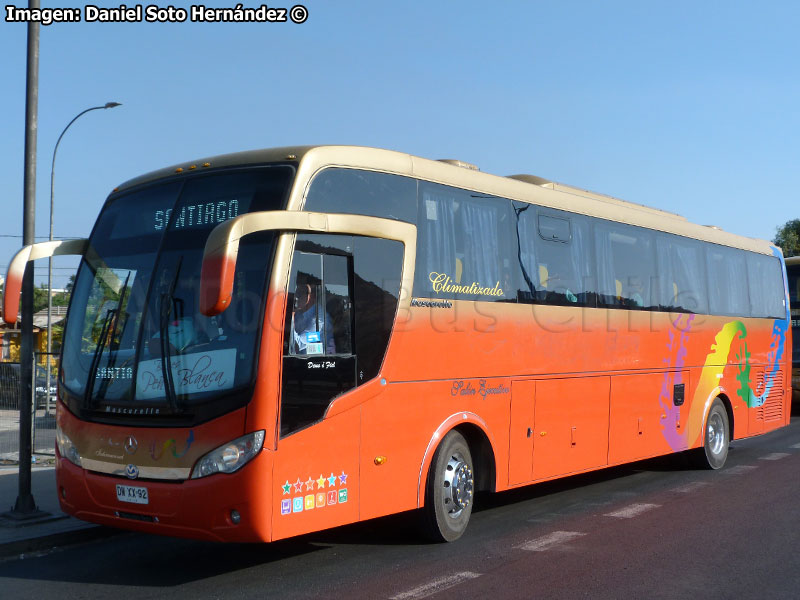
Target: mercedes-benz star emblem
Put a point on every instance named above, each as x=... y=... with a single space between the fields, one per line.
x=131 y=445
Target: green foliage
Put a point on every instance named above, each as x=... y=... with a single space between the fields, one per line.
x=40 y=298
x=787 y=238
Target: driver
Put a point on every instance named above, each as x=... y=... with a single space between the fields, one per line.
x=311 y=332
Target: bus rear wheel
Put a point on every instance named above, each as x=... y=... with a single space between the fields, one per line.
x=450 y=490
x=716 y=435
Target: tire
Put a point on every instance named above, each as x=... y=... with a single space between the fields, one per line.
x=716 y=435
x=449 y=490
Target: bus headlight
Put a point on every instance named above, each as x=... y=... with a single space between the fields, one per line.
x=231 y=456
x=66 y=448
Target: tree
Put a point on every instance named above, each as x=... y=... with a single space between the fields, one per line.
x=787 y=238
x=40 y=298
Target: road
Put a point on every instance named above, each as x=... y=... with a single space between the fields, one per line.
x=655 y=529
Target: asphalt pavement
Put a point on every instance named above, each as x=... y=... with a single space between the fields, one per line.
x=653 y=529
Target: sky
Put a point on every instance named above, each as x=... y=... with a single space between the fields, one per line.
x=685 y=106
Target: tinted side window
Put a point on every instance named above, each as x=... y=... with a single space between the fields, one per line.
x=554 y=257
x=766 y=286
x=464 y=245
x=625 y=265
x=352 y=191
x=727 y=281
x=320 y=316
x=318 y=363
x=793 y=273
x=343 y=294
x=376 y=288
x=681 y=275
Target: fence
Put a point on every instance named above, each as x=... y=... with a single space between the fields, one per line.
x=43 y=419
x=9 y=411
x=44 y=409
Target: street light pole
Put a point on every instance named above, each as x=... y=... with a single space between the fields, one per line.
x=25 y=506
x=50 y=260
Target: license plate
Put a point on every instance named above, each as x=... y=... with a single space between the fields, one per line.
x=130 y=493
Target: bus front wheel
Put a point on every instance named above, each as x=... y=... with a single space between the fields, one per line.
x=716 y=435
x=450 y=489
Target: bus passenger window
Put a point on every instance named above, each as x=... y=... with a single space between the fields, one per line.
x=465 y=251
x=727 y=290
x=765 y=279
x=681 y=275
x=626 y=265
x=553 y=257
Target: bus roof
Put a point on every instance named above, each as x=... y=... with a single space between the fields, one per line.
x=524 y=188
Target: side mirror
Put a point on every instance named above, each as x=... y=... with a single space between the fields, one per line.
x=16 y=269
x=222 y=246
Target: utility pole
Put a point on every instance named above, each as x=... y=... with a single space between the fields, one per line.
x=25 y=506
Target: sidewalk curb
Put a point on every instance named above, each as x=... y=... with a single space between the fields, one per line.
x=50 y=541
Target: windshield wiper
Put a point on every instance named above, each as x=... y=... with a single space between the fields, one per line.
x=111 y=314
x=166 y=301
x=98 y=352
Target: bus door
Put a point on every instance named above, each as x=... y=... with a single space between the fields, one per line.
x=342 y=300
x=343 y=295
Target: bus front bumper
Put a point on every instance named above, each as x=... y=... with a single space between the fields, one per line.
x=223 y=507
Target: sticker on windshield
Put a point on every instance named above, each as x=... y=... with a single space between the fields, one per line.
x=191 y=374
x=314 y=342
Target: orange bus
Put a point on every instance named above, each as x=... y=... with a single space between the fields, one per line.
x=793 y=272
x=270 y=343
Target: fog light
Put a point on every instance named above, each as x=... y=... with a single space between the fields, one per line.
x=235 y=517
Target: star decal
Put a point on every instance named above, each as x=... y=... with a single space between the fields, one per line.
x=343 y=478
x=309 y=484
x=321 y=482
x=298 y=485
x=287 y=487
x=332 y=480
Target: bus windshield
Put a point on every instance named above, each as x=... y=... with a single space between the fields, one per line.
x=135 y=342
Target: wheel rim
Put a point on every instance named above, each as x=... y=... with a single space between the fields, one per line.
x=715 y=434
x=458 y=486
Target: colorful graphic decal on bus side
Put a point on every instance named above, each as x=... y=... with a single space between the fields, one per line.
x=319 y=493
x=171 y=444
x=677 y=350
x=715 y=364
x=774 y=357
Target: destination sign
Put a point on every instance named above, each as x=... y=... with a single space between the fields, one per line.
x=197 y=215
